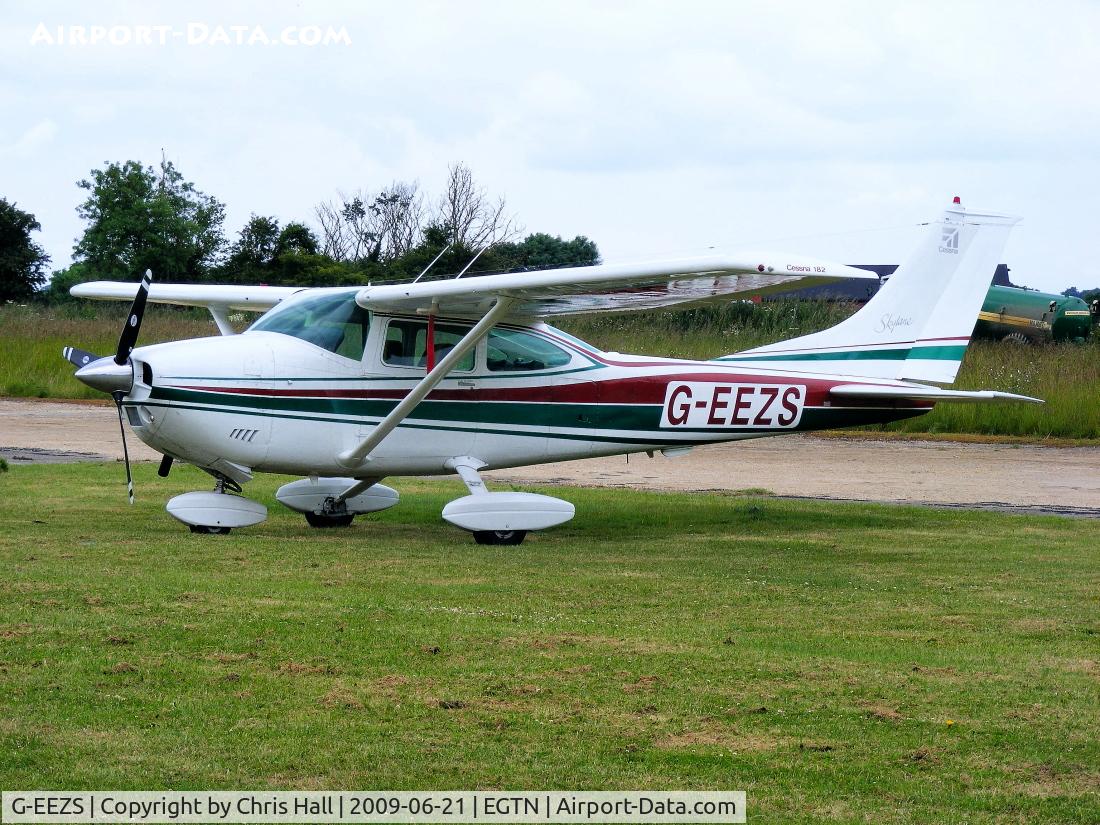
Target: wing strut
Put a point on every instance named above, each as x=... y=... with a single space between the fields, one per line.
x=358 y=455
x=221 y=318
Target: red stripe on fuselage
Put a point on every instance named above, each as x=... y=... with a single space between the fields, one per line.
x=648 y=389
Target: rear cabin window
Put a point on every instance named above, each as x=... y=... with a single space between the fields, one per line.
x=407 y=344
x=332 y=322
x=514 y=351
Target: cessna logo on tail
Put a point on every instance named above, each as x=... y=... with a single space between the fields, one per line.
x=698 y=404
x=949 y=243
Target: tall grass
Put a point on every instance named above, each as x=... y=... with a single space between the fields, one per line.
x=32 y=337
x=1066 y=376
x=706 y=331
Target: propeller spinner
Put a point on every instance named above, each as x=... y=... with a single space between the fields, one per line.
x=115 y=375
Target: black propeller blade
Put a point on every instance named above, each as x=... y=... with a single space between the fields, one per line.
x=79 y=357
x=128 y=339
x=118 y=396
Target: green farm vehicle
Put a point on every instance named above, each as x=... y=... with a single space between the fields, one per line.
x=1027 y=316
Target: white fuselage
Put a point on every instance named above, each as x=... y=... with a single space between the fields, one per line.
x=269 y=402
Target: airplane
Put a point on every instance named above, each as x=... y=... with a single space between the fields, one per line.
x=344 y=387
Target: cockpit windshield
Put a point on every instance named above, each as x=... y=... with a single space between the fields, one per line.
x=332 y=321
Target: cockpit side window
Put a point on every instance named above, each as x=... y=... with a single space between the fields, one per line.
x=510 y=350
x=407 y=344
x=333 y=322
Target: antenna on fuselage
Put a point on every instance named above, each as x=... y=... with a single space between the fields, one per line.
x=429 y=266
x=471 y=263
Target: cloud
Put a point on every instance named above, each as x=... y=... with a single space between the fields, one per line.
x=31 y=141
x=646 y=126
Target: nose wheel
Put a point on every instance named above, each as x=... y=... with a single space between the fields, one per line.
x=208 y=530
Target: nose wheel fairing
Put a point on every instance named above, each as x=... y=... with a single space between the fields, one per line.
x=216 y=510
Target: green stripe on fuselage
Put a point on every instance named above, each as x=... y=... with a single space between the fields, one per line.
x=529 y=414
x=573 y=421
x=952 y=352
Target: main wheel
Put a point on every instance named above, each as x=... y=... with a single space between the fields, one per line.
x=209 y=530
x=1017 y=339
x=322 y=520
x=509 y=537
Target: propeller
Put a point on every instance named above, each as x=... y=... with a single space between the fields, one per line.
x=129 y=335
x=115 y=375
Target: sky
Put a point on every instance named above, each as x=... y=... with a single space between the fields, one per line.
x=831 y=129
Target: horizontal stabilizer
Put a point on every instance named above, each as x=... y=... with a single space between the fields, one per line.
x=918 y=392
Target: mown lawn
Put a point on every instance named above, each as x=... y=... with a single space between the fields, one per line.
x=838 y=662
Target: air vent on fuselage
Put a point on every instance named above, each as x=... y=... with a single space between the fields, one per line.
x=243 y=435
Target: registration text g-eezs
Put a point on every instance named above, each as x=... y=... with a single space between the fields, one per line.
x=704 y=404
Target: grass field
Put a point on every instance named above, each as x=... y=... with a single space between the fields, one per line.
x=1066 y=376
x=839 y=662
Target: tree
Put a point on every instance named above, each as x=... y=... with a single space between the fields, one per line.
x=473 y=219
x=254 y=250
x=345 y=229
x=140 y=218
x=22 y=261
x=396 y=213
x=297 y=238
x=378 y=227
x=386 y=227
x=543 y=251
x=57 y=291
x=265 y=254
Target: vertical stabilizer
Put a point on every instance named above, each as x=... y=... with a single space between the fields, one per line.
x=919 y=324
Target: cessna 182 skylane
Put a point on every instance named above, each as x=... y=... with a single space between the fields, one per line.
x=347 y=386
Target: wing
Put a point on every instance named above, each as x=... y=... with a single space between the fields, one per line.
x=610 y=287
x=546 y=293
x=251 y=298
